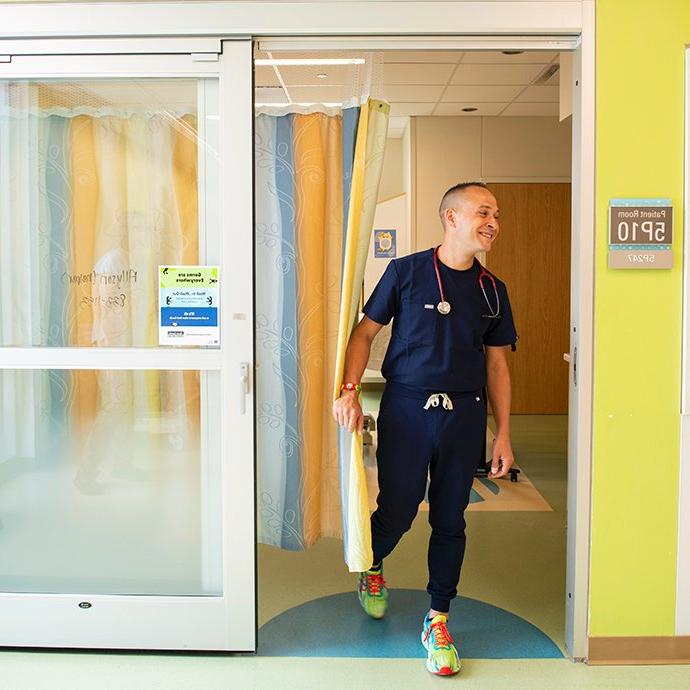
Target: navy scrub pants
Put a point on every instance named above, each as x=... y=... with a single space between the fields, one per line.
x=449 y=444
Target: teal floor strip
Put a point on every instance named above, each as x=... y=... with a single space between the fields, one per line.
x=490 y=485
x=336 y=626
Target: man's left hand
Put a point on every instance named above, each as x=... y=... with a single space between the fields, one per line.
x=502 y=458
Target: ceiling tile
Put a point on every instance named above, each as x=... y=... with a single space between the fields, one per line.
x=269 y=95
x=412 y=94
x=417 y=73
x=318 y=94
x=408 y=109
x=447 y=56
x=265 y=76
x=539 y=94
x=496 y=74
x=305 y=75
x=531 y=109
x=496 y=56
x=481 y=94
x=488 y=109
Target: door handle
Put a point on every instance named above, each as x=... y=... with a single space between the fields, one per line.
x=244 y=386
x=566 y=356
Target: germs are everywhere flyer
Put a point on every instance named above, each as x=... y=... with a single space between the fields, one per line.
x=188 y=305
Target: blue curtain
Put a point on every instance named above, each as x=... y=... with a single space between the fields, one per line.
x=282 y=494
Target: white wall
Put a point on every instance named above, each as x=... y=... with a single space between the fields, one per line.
x=448 y=150
x=525 y=149
x=392 y=174
x=390 y=214
x=408 y=177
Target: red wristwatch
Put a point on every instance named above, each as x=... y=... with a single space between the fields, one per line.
x=351 y=387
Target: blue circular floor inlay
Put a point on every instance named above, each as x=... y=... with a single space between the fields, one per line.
x=336 y=626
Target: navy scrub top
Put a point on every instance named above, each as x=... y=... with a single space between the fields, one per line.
x=429 y=350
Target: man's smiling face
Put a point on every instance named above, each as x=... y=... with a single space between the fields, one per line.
x=474 y=216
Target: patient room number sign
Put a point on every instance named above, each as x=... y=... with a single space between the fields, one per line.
x=188 y=305
x=640 y=233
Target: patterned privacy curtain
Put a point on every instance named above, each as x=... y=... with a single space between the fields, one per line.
x=366 y=174
x=307 y=207
x=91 y=201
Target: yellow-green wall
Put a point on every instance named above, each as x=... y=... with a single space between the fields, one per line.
x=637 y=353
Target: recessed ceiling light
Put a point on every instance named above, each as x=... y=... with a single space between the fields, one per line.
x=321 y=75
x=310 y=61
x=512 y=52
x=469 y=110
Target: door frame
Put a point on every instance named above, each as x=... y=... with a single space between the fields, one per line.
x=581 y=285
x=170 y=622
x=493 y=25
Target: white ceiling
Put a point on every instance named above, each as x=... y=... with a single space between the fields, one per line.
x=421 y=83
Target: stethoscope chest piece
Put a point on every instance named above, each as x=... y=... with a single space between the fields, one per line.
x=444 y=307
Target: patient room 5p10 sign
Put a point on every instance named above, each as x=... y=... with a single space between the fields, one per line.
x=640 y=233
x=188 y=305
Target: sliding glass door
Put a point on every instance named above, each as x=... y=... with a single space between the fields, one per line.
x=126 y=434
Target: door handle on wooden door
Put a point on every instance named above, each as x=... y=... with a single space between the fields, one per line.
x=244 y=386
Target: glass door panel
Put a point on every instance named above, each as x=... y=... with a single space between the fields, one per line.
x=105 y=484
x=101 y=181
x=126 y=468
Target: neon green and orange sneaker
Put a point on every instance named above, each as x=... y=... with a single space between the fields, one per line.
x=373 y=593
x=442 y=657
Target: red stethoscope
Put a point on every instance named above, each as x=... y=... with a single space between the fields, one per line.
x=444 y=307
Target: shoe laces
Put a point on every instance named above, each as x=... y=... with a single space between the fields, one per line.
x=375 y=582
x=442 y=638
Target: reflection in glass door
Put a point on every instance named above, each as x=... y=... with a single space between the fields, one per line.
x=123 y=499
x=113 y=484
x=100 y=186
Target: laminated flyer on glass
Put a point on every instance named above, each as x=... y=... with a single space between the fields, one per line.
x=188 y=305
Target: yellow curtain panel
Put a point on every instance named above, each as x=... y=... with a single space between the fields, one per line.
x=316 y=148
x=368 y=164
x=134 y=201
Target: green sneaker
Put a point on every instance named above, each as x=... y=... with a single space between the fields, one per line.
x=373 y=593
x=442 y=657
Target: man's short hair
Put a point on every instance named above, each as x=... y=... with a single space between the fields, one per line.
x=462 y=186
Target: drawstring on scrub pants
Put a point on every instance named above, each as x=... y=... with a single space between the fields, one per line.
x=434 y=400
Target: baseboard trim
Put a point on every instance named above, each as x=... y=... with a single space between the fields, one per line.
x=639 y=650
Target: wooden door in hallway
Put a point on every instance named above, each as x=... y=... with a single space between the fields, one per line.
x=532 y=257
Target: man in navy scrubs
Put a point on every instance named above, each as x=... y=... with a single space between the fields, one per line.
x=451 y=324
